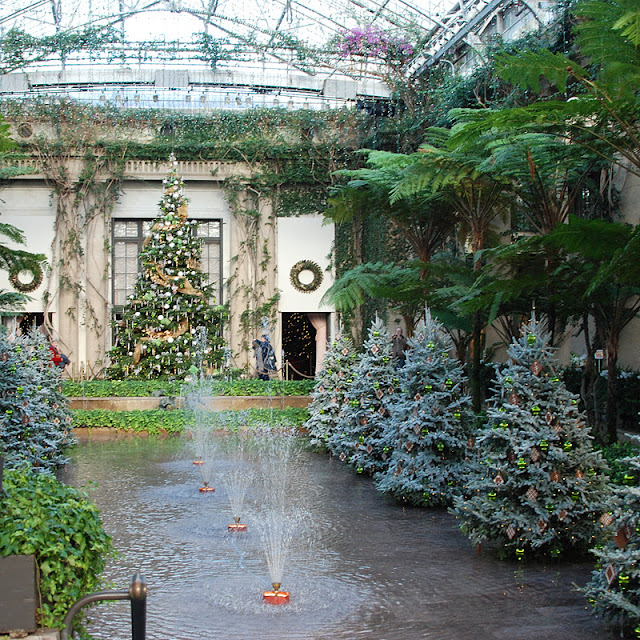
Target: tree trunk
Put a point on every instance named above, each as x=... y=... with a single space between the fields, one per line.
x=612 y=387
x=475 y=375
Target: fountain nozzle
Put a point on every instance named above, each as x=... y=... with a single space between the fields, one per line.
x=276 y=596
x=237 y=526
x=206 y=488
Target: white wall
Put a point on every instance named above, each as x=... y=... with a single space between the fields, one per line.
x=27 y=205
x=303 y=238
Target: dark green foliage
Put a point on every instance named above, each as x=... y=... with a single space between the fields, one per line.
x=617 y=456
x=628 y=392
x=41 y=516
x=142 y=388
x=160 y=421
x=35 y=422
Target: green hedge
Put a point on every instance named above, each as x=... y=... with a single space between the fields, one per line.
x=628 y=394
x=157 y=421
x=62 y=529
x=615 y=454
x=142 y=388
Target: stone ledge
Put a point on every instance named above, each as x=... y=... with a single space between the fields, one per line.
x=40 y=634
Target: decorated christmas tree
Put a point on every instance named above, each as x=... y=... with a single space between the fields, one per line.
x=372 y=391
x=614 y=588
x=537 y=487
x=35 y=422
x=431 y=422
x=155 y=337
x=328 y=394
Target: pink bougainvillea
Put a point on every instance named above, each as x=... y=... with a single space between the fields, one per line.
x=375 y=42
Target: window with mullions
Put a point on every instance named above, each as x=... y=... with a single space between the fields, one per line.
x=128 y=237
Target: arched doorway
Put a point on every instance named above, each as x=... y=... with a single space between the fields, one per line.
x=298 y=346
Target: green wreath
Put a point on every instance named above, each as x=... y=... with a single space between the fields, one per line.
x=305 y=265
x=26 y=287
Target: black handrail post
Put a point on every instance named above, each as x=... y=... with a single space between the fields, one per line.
x=138 y=595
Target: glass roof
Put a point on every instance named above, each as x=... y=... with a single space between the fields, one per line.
x=312 y=20
x=276 y=44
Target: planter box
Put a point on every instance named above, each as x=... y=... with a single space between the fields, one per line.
x=18 y=599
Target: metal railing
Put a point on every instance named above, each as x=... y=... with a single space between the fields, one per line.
x=137 y=594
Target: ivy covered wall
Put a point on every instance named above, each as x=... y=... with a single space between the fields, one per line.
x=270 y=164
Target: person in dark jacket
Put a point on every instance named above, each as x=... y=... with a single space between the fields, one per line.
x=398 y=348
x=265 y=357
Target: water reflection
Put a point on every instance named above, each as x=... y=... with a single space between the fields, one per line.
x=368 y=568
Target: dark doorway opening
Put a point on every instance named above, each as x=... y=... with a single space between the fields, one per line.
x=298 y=345
x=30 y=321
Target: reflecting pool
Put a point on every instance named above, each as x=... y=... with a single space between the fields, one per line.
x=358 y=566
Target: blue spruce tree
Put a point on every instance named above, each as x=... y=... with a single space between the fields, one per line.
x=537 y=487
x=431 y=423
x=614 y=588
x=328 y=394
x=35 y=422
x=372 y=391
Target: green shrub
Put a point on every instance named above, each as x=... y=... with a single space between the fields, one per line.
x=615 y=455
x=152 y=421
x=62 y=529
x=157 y=421
x=628 y=393
x=143 y=388
x=34 y=418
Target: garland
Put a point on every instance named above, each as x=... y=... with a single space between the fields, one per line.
x=26 y=287
x=305 y=265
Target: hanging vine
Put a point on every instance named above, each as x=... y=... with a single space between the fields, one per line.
x=85 y=183
x=284 y=165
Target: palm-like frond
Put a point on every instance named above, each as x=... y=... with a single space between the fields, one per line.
x=16 y=258
x=369 y=280
x=609 y=32
x=423 y=219
x=629 y=26
x=596 y=240
x=528 y=67
x=12 y=300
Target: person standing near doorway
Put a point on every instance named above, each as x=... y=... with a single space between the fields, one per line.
x=398 y=348
x=265 y=357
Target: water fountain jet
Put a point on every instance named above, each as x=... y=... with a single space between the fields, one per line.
x=279 y=525
x=236 y=480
